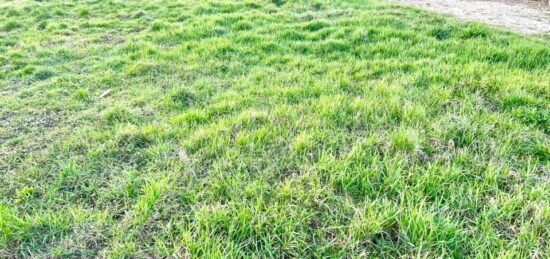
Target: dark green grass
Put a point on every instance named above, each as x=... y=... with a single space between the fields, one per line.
x=269 y=129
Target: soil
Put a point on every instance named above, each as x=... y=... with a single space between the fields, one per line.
x=526 y=16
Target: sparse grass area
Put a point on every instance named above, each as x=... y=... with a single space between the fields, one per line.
x=269 y=128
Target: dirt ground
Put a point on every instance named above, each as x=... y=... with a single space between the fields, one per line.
x=526 y=16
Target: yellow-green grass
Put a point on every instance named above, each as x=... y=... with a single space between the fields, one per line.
x=269 y=129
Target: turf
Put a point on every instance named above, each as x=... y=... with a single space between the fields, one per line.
x=269 y=129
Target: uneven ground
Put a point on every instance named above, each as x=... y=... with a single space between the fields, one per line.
x=306 y=129
x=527 y=16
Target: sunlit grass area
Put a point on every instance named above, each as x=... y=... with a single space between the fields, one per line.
x=269 y=129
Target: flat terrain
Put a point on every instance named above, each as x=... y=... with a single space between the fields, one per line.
x=527 y=16
x=269 y=129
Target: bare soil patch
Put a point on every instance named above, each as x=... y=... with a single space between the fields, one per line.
x=526 y=16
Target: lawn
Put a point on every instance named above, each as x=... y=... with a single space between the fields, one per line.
x=269 y=129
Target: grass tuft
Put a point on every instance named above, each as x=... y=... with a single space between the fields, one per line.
x=43 y=74
x=12 y=25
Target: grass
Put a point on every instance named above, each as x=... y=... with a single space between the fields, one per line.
x=269 y=128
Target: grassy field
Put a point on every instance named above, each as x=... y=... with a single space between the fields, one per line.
x=269 y=129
